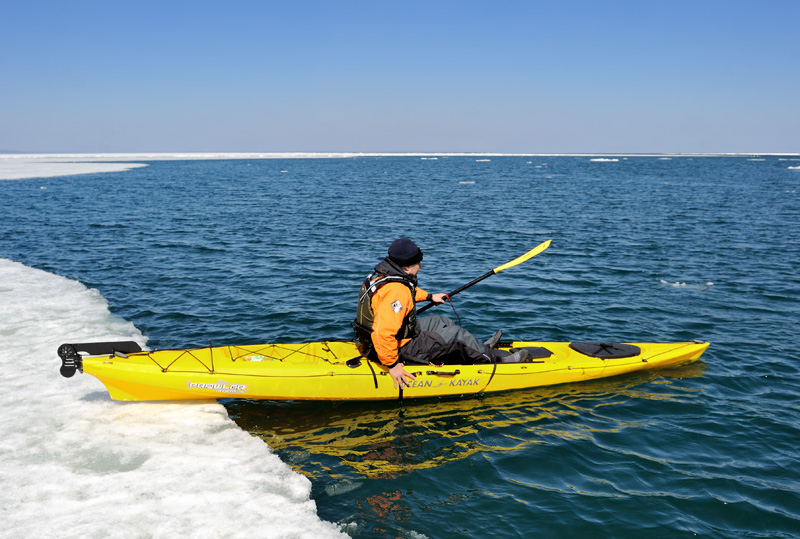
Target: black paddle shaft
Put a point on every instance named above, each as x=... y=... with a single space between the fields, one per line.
x=457 y=290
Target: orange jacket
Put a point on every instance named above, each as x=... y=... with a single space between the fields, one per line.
x=391 y=303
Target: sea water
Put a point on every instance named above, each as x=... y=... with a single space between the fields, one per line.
x=182 y=253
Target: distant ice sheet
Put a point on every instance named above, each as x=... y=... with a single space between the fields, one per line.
x=20 y=166
x=33 y=167
x=77 y=464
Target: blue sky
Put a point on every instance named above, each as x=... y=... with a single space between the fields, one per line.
x=381 y=76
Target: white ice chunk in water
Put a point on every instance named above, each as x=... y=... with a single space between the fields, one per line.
x=77 y=464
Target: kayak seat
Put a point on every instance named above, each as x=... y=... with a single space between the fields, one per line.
x=606 y=350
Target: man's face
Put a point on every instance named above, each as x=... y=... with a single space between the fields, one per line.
x=413 y=270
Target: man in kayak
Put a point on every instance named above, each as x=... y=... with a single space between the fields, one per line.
x=387 y=325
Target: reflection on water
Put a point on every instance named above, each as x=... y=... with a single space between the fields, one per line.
x=342 y=443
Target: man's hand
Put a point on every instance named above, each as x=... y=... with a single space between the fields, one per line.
x=438 y=299
x=400 y=375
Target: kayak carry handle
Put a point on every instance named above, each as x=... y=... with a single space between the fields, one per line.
x=444 y=373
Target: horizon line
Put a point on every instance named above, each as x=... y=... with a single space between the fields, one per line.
x=301 y=154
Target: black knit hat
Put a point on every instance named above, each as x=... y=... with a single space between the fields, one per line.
x=405 y=252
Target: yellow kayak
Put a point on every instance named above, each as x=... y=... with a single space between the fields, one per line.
x=336 y=370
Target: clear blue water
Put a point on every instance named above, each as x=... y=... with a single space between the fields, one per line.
x=643 y=249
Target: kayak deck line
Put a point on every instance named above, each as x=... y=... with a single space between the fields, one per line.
x=335 y=370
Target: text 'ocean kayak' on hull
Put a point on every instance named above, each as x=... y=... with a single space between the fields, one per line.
x=336 y=370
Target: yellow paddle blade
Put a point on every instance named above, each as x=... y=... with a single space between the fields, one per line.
x=530 y=254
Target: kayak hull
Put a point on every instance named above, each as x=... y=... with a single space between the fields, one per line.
x=336 y=371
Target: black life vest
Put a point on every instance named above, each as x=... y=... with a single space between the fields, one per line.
x=385 y=272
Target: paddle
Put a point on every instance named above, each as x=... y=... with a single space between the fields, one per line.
x=530 y=254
